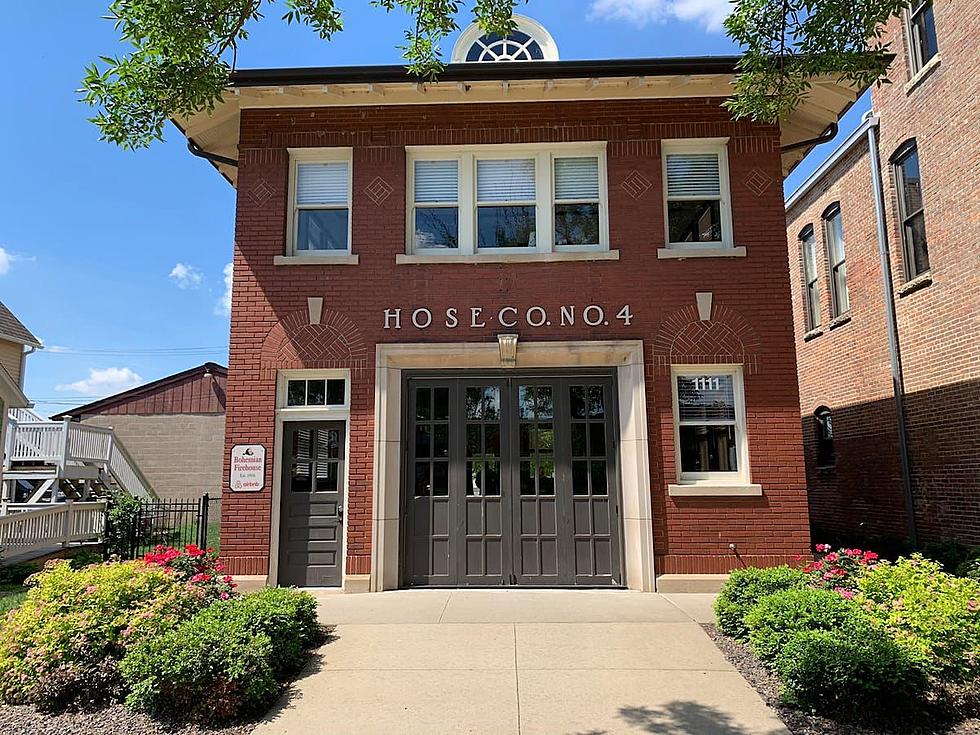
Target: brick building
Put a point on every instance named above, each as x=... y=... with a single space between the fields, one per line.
x=529 y=324
x=884 y=424
x=174 y=429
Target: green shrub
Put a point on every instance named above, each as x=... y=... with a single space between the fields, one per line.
x=210 y=669
x=850 y=673
x=227 y=661
x=949 y=554
x=75 y=625
x=744 y=588
x=18 y=573
x=122 y=515
x=776 y=618
x=969 y=569
x=85 y=559
x=934 y=614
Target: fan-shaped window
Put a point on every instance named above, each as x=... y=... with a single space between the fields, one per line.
x=529 y=42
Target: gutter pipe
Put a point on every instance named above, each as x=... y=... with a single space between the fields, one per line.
x=212 y=157
x=891 y=319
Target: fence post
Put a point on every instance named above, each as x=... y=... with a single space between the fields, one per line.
x=69 y=511
x=202 y=521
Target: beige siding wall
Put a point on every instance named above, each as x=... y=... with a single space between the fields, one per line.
x=11 y=357
x=180 y=454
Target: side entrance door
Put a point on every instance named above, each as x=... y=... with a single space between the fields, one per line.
x=311 y=525
x=511 y=481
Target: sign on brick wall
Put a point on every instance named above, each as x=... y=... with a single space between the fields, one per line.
x=247 y=468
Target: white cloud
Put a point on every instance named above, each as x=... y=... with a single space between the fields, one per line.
x=710 y=13
x=186 y=276
x=223 y=307
x=5 y=260
x=103 y=382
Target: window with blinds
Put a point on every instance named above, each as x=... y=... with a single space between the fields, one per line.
x=436 y=217
x=503 y=199
x=696 y=194
x=321 y=204
x=709 y=424
x=577 y=201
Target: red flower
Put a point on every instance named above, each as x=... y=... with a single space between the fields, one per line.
x=201 y=577
x=823 y=547
x=832 y=556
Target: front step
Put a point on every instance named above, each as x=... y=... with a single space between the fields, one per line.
x=702 y=583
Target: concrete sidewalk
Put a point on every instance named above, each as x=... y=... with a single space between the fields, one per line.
x=519 y=662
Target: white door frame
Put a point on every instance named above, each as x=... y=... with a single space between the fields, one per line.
x=634 y=459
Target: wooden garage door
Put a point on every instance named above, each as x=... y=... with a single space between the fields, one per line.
x=511 y=480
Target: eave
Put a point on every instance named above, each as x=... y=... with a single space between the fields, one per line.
x=217 y=131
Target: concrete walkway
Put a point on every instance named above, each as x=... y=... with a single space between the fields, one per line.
x=519 y=662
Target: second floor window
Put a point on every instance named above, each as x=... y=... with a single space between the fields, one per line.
x=921 y=34
x=840 y=302
x=696 y=193
x=320 y=189
x=811 y=283
x=825 y=437
x=507 y=199
x=912 y=220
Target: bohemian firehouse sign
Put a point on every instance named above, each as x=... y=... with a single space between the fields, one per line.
x=509 y=317
x=247 y=468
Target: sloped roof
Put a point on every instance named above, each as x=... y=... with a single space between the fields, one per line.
x=134 y=394
x=14 y=396
x=12 y=329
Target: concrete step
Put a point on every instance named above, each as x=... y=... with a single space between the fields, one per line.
x=670 y=583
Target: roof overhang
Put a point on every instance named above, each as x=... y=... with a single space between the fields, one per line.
x=217 y=131
x=13 y=396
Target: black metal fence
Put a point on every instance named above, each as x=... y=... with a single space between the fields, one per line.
x=168 y=522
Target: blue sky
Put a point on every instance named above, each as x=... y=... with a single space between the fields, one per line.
x=116 y=259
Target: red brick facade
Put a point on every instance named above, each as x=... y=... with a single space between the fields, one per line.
x=751 y=322
x=847 y=367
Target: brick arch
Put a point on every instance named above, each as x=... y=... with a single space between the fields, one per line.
x=293 y=343
x=727 y=338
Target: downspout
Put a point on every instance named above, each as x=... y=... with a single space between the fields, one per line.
x=825 y=137
x=891 y=319
x=207 y=156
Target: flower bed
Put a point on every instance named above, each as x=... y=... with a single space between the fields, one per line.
x=855 y=638
x=168 y=634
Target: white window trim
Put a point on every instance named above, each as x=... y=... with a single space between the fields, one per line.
x=312 y=413
x=544 y=155
x=714 y=483
x=318 y=155
x=700 y=145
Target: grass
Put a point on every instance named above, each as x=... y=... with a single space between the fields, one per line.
x=11 y=595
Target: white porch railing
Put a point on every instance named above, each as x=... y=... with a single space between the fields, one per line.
x=61 y=524
x=64 y=443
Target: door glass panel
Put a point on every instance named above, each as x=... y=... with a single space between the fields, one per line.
x=599 y=478
x=303 y=444
x=546 y=476
x=525 y=402
x=491 y=477
x=474 y=484
x=440 y=410
x=423 y=440
x=296 y=393
x=327 y=474
x=492 y=440
x=422 y=485
x=440 y=478
x=527 y=477
x=491 y=403
x=328 y=444
x=579 y=448
x=597 y=408
x=580 y=477
x=546 y=439
x=474 y=440
x=441 y=441
x=527 y=440
x=579 y=406
x=474 y=403
x=597 y=439
x=301 y=478
x=335 y=392
x=423 y=404
x=316 y=392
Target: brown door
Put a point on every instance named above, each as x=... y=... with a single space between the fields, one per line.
x=311 y=526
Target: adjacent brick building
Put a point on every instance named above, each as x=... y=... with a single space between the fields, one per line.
x=526 y=325
x=174 y=428
x=925 y=142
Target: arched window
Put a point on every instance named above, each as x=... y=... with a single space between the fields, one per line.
x=530 y=41
x=825 y=437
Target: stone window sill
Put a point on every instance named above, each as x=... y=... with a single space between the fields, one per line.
x=916 y=284
x=921 y=75
x=682 y=253
x=812 y=334
x=346 y=259
x=554 y=257
x=714 y=491
x=839 y=321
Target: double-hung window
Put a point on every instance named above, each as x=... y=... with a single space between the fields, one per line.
x=697 y=199
x=320 y=222
x=833 y=225
x=709 y=425
x=507 y=199
x=911 y=213
x=921 y=28
x=811 y=283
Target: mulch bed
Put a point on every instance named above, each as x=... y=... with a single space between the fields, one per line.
x=803 y=723
x=113 y=720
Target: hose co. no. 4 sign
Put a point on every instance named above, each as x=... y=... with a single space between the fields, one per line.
x=508 y=317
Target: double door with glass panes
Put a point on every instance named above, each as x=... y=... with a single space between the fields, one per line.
x=511 y=481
